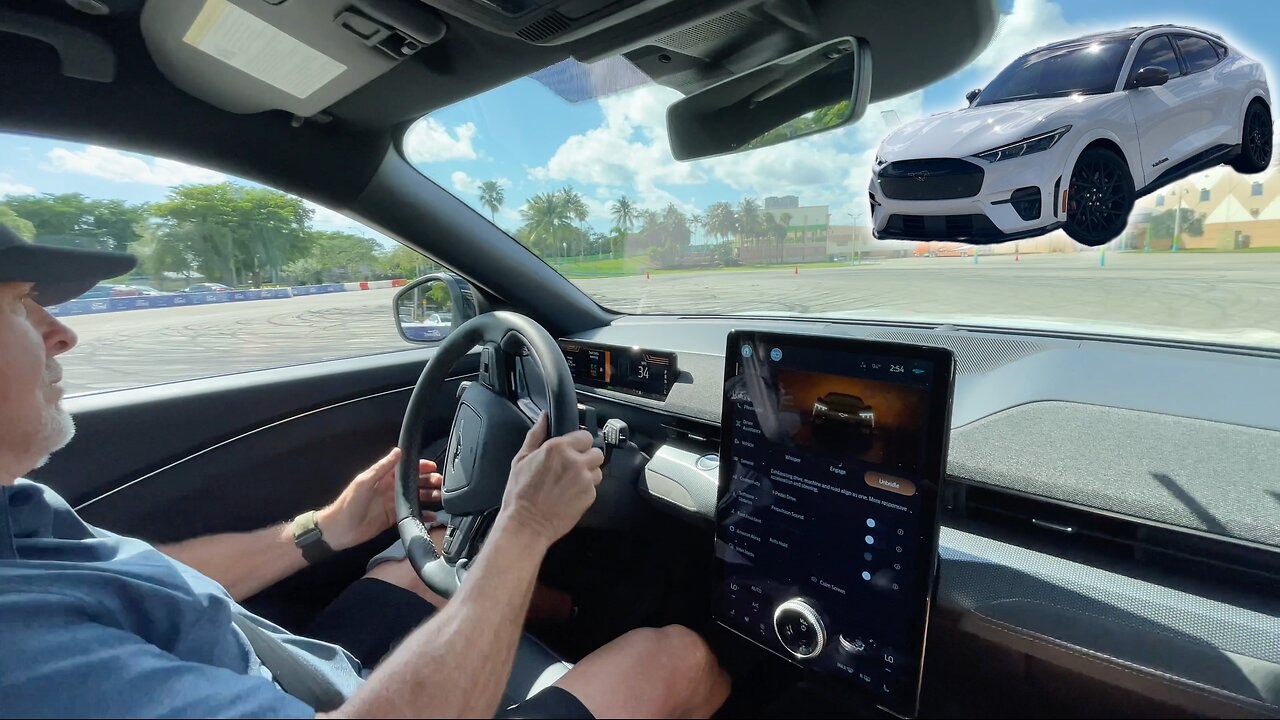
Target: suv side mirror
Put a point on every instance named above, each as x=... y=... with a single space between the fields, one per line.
x=431 y=307
x=1150 y=76
x=972 y=95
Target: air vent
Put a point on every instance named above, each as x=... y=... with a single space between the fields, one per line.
x=1039 y=523
x=545 y=28
x=974 y=353
x=694 y=36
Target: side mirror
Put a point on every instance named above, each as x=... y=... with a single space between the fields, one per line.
x=814 y=90
x=431 y=307
x=1150 y=76
x=972 y=95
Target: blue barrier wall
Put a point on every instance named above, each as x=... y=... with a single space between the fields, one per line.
x=319 y=289
x=144 y=302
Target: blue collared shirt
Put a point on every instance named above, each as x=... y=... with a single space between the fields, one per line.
x=95 y=624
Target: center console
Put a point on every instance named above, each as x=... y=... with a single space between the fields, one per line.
x=826 y=519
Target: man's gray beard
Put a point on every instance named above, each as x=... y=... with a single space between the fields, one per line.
x=56 y=430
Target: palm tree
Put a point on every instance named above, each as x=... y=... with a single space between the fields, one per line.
x=624 y=218
x=695 y=222
x=492 y=195
x=750 y=224
x=576 y=208
x=720 y=220
x=574 y=204
x=675 y=226
x=650 y=221
x=545 y=216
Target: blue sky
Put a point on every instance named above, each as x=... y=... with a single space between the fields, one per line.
x=526 y=137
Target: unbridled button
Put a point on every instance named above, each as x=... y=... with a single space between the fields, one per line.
x=892 y=483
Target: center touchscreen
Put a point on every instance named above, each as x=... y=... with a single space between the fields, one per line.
x=827 y=521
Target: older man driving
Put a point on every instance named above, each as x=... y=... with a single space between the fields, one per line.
x=96 y=624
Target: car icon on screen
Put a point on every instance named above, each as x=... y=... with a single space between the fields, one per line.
x=844 y=409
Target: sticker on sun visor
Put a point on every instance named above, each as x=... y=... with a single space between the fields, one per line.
x=252 y=45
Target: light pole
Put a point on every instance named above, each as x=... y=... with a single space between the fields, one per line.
x=857 y=251
x=1177 y=218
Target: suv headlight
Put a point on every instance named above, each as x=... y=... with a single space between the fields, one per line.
x=1026 y=146
x=879 y=160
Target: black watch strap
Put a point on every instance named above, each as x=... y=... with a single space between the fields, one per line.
x=309 y=539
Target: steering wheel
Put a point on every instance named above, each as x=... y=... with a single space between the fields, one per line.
x=488 y=429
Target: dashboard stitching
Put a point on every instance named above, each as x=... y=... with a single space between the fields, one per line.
x=1136 y=670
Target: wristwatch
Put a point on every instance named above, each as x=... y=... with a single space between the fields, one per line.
x=309 y=539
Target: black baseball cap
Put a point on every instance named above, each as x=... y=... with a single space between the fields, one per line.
x=58 y=273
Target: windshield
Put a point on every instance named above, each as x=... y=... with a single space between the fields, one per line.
x=1058 y=72
x=589 y=185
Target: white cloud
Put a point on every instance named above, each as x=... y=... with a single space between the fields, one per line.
x=1030 y=24
x=629 y=150
x=430 y=141
x=120 y=166
x=10 y=188
x=463 y=183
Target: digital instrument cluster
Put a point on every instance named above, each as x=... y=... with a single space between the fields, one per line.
x=827 y=520
x=631 y=370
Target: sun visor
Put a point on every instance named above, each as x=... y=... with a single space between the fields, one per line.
x=249 y=56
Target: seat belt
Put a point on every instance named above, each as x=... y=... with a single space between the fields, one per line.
x=295 y=675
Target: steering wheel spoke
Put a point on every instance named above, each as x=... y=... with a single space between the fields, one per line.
x=488 y=429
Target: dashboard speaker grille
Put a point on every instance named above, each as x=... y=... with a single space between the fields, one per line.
x=704 y=32
x=547 y=26
x=974 y=354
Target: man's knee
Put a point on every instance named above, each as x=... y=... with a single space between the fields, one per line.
x=401 y=574
x=688 y=662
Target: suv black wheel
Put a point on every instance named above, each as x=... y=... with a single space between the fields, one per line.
x=1255 y=141
x=1099 y=197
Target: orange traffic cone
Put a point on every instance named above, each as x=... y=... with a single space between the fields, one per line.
x=1017 y=257
x=646 y=274
x=797 y=272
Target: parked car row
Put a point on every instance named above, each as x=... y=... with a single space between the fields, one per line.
x=107 y=290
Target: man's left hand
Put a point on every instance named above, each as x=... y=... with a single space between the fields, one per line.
x=368 y=505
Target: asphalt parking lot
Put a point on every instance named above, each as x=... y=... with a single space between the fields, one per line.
x=1230 y=298
x=142 y=347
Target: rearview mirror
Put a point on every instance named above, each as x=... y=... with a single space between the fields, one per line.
x=431 y=307
x=1151 y=76
x=972 y=95
x=817 y=89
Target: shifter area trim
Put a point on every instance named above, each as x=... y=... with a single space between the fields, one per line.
x=675 y=476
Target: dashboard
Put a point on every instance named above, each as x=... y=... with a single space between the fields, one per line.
x=621 y=369
x=1178 y=603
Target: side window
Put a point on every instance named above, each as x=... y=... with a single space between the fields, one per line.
x=1222 y=49
x=1157 y=51
x=1197 y=53
x=1204 y=195
x=1256 y=189
x=232 y=276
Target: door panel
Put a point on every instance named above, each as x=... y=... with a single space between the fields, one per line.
x=1170 y=120
x=1165 y=115
x=237 y=452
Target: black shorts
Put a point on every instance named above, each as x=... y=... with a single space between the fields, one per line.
x=371 y=617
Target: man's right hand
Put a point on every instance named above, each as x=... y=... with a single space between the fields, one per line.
x=552 y=482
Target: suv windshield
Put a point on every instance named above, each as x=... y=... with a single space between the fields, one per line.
x=574 y=163
x=1058 y=72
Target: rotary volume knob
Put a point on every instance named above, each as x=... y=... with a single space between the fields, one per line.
x=799 y=629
